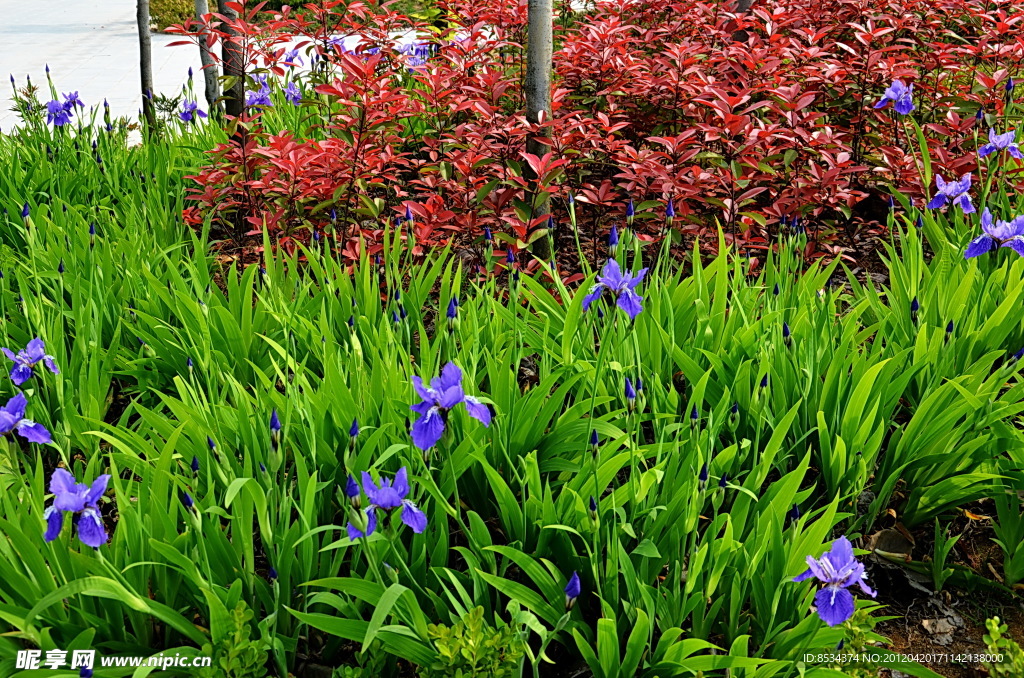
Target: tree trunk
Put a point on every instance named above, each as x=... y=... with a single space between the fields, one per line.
x=234 y=67
x=212 y=89
x=540 y=43
x=146 y=64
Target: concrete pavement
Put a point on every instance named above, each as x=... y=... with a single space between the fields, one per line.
x=91 y=46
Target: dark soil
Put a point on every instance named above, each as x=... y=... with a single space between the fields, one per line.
x=981 y=594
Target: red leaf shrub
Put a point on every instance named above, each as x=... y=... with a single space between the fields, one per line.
x=653 y=101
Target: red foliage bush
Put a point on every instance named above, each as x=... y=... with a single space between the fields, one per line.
x=743 y=119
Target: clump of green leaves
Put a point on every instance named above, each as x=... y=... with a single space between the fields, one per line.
x=237 y=655
x=1009 y=531
x=1011 y=654
x=472 y=648
x=164 y=13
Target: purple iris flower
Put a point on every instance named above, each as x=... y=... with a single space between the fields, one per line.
x=838 y=570
x=71 y=100
x=418 y=54
x=80 y=499
x=954 y=192
x=445 y=392
x=996 y=234
x=189 y=111
x=12 y=418
x=670 y=210
x=900 y=95
x=622 y=285
x=292 y=58
x=28 y=358
x=261 y=96
x=293 y=94
x=1001 y=142
x=56 y=114
x=385 y=497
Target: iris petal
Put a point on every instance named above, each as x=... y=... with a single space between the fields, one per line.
x=478 y=410
x=54 y=522
x=99 y=486
x=20 y=374
x=35 y=350
x=629 y=301
x=33 y=432
x=401 y=485
x=16 y=406
x=413 y=517
x=428 y=429
x=90 y=528
x=1016 y=244
x=980 y=245
x=594 y=295
x=451 y=376
x=835 y=605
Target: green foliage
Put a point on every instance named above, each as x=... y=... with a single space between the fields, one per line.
x=237 y=655
x=865 y=408
x=1010 y=655
x=943 y=545
x=164 y=13
x=1009 y=530
x=473 y=648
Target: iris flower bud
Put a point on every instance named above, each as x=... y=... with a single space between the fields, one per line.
x=572 y=591
x=352 y=493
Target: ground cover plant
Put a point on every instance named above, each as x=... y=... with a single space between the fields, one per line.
x=279 y=427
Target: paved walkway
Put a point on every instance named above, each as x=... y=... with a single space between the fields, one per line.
x=91 y=46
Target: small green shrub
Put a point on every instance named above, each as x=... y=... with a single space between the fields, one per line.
x=164 y=13
x=470 y=648
x=1011 y=663
x=236 y=655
